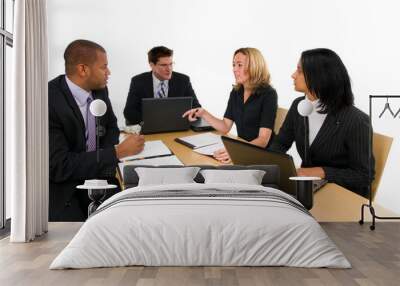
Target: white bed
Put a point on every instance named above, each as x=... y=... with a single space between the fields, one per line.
x=201 y=224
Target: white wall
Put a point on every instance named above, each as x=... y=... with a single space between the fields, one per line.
x=205 y=33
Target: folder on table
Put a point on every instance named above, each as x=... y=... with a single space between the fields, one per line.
x=152 y=149
x=200 y=140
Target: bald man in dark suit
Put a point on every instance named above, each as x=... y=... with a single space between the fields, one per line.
x=72 y=130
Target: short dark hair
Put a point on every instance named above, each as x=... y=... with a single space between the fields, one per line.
x=327 y=77
x=80 y=52
x=158 y=52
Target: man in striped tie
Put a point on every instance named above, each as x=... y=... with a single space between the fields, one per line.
x=72 y=131
x=160 y=82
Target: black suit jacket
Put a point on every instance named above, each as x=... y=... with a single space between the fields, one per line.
x=340 y=147
x=142 y=87
x=70 y=164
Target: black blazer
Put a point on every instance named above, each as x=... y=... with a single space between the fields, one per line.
x=259 y=111
x=70 y=164
x=340 y=147
x=142 y=87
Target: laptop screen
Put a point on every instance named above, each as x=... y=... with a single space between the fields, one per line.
x=165 y=114
x=243 y=153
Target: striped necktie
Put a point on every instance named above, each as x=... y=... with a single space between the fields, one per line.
x=161 y=90
x=90 y=128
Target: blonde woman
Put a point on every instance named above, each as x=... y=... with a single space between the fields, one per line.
x=252 y=103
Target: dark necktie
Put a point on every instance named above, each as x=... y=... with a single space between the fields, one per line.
x=161 y=90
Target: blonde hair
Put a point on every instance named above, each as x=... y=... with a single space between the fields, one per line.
x=257 y=68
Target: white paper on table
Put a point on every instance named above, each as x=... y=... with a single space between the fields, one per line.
x=210 y=149
x=151 y=149
x=159 y=161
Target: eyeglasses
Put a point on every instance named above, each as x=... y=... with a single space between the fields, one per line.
x=166 y=65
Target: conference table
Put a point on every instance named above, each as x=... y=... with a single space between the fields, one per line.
x=331 y=203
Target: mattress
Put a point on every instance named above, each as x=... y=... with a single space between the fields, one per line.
x=201 y=225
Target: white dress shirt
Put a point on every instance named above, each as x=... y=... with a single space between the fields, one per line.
x=315 y=120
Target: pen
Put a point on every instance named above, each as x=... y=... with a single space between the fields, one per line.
x=140 y=127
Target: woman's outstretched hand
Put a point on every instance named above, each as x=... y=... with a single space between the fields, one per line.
x=194 y=113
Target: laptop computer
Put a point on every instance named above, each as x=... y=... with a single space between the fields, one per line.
x=243 y=153
x=165 y=114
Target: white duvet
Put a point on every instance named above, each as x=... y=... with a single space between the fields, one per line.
x=183 y=231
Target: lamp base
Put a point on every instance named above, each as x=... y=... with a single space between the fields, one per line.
x=97 y=196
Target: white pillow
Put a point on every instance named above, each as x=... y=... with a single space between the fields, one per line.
x=163 y=176
x=248 y=177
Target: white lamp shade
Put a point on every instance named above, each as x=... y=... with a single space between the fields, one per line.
x=305 y=107
x=98 y=107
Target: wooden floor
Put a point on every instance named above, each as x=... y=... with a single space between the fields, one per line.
x=374 y=255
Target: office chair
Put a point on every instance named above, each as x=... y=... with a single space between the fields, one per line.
x=381 y=145
x=279 y=118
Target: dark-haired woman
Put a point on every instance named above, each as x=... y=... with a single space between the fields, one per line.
x=333 y=139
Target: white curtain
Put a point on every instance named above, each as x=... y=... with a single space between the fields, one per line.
x=27 y=123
